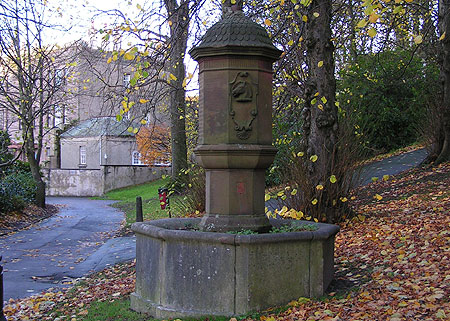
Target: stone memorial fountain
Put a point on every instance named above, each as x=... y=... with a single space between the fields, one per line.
x=203 y=267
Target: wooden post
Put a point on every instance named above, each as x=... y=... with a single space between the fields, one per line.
x=139 y=214
x=2 y=316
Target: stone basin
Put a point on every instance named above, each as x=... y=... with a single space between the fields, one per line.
x=182 y=272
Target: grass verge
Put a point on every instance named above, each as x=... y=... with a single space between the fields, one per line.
x=126 y=201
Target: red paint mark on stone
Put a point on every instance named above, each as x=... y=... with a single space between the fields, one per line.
x=240 y=188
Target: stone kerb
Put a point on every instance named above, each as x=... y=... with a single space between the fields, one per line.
x=183 y=272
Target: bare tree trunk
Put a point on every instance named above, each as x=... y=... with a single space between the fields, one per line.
x=179 y=25
x=444 y=27
x=320 y=125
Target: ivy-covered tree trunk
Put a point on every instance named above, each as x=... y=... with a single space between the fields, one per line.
x=320 y=127
x=178 y=15
x=33 y=155
x=443 y=145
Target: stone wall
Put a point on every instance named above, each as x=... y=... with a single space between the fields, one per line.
x=75 y=182
x=95 y=182
x=122 y=176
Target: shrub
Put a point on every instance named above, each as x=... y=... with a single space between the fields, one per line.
x=327 y=202
x=191 y=185
x=16 y=191
x=386 y=94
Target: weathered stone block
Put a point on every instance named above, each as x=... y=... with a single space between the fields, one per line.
x=181 y=272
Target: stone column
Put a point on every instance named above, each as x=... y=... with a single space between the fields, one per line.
x=235 y=107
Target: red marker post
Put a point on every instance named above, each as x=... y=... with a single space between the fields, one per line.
x=164 y=199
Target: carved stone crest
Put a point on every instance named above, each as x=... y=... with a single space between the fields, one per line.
x=243 y=104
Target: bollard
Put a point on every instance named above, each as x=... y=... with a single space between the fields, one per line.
x=139 y=214
x=2 y=316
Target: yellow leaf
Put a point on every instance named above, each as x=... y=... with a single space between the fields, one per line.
x=308 y=218
x=319 y=187
x=343 y=199
x=266 y=197
x=362 y=24
x=305 y=18
x=300 y=154
x=320 y=106
x=313 y=158
x=181 y=117
x=441 y=314
x=316 y=14
x=135 y=130
x=333 y=179
x=320 y=64
x=418 y=39
x=372 y=32
x=128 y=56
x=170 y=23
x=361 y=218
x=385 y=177
x=291 y=42
x=143 y=122
x=173 y=77
x=294 y=192
x=442 y=37
x=316 y=220
x=373 y=17
x=403 y=304
x=374 y=179
x=378 y=197
x=143 y=101
x=267 y=22
x=324 y=100
x=130 y=129
x=314 y=201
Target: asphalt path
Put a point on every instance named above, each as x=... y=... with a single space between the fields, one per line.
x=71 y=244
x=390 y=166
x=80 y=239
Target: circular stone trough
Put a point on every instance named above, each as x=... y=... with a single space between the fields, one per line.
x=182 y=272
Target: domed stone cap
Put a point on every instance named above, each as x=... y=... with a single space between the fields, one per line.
x=238 y=32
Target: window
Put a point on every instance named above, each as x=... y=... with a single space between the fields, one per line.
x=82 y=155
x=126 y=80
x=59 y=115
x=136 y=158
x=47 y=151
x=60 y=77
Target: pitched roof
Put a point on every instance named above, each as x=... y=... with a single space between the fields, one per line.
x=100 y=126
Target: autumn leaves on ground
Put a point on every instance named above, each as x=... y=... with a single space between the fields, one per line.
x=392 y=262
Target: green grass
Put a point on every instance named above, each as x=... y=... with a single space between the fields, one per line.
x=151 y=208
x=129 y=194
x=118 y=310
